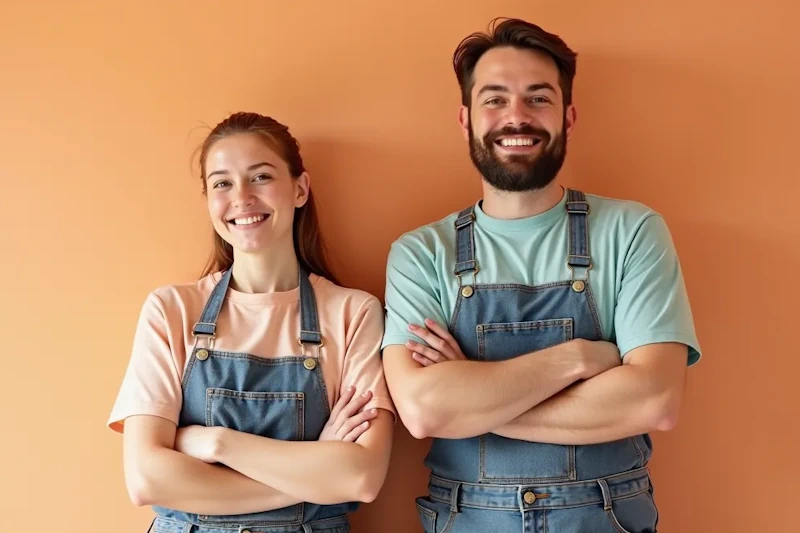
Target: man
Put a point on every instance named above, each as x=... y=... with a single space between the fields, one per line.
x=539 y=335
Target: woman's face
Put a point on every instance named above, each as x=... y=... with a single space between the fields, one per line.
x=251 y=194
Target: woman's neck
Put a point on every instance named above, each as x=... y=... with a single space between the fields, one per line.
x=275 y=270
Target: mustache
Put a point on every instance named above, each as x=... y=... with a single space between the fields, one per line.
x=526 y=129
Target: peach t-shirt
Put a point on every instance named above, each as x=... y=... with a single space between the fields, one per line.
x=265 y=325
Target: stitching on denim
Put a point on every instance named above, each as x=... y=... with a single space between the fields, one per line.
x=301 y=427
x=527 y=325
x=189 y=367
x=324 y=390
x=455 y=312
x=489 y=287
x=264 y=361
x=254 y=395
x=598 y=327
x=577 y=505
x=451 y=520
x=430 y=516
x=638 y=450
x=573 y=469
x=614 y=522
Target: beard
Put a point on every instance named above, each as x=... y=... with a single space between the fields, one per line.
x=518 y=173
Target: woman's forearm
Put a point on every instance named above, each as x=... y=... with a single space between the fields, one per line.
x=325 y=472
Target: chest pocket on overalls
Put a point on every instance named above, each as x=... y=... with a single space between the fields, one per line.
x=276 y=415
x=505 y=460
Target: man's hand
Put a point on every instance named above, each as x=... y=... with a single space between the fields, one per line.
x=597 y=356
x=441 y=345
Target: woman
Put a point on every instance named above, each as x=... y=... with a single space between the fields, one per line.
x=254 y=399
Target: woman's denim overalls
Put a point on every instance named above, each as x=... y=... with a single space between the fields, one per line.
x=277 y=397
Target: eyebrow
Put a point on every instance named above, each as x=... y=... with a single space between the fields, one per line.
x=504 y=89
x=251 y=167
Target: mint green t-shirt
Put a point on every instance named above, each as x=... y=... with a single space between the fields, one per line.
x=636 y=276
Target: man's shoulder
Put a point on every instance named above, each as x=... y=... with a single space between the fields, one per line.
x=618 y=208
x=617 y=216
x=430 y=237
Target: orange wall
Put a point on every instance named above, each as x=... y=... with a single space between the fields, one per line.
x=690 y=107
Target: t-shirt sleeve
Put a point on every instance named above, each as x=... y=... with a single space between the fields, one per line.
x=412 y=291
x=652 y=304
x=362 y=366
x=152 y=383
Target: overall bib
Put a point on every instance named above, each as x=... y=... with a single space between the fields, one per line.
x=492 y=483
x=280 y=398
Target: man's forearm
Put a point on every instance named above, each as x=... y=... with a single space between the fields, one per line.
x=460 y=399
x=622 y=402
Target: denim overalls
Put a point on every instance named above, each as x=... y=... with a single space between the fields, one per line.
x=499 y=485
x=280 y=398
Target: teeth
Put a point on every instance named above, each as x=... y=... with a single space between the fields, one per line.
x=516 y=142
x=247 y=221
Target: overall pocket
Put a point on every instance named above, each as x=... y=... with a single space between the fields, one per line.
x=635 y=514
x=429 y=515
x=505 y=460
x=277 y=415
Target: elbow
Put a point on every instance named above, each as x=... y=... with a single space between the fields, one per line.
x=141 y=483
x=418 y=420
x=370 y=485
x=667 y=421
x=368 y=492
x=140 y=490
x=664 y=413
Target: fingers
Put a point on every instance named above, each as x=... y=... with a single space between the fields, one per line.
x=431 y=339
x=426 y=351
x=421 y=359
x=442 y=333
x=352 y=407
x=348 y=394
x=355 y=426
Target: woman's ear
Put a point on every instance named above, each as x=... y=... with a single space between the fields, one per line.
x=302 y=189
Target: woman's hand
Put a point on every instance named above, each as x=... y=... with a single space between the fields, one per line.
x=346 y=423
x=441 y=345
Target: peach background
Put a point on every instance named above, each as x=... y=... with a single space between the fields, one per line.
x=689 y=106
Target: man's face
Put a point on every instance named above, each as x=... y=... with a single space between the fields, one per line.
x=517 y=125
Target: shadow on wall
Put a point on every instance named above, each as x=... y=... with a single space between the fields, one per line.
x=664 y=151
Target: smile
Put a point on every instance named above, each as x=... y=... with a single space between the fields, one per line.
x=517 y=141
x=248 y=221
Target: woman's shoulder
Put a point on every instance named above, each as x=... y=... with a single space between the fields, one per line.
x=351 y=301
x=180 y=297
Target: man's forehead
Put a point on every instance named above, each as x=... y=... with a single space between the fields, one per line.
x=513 y=66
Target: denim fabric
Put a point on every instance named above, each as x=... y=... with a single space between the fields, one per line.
x=585 y=488
x=280 y=398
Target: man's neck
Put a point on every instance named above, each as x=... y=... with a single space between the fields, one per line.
x=514 y=205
